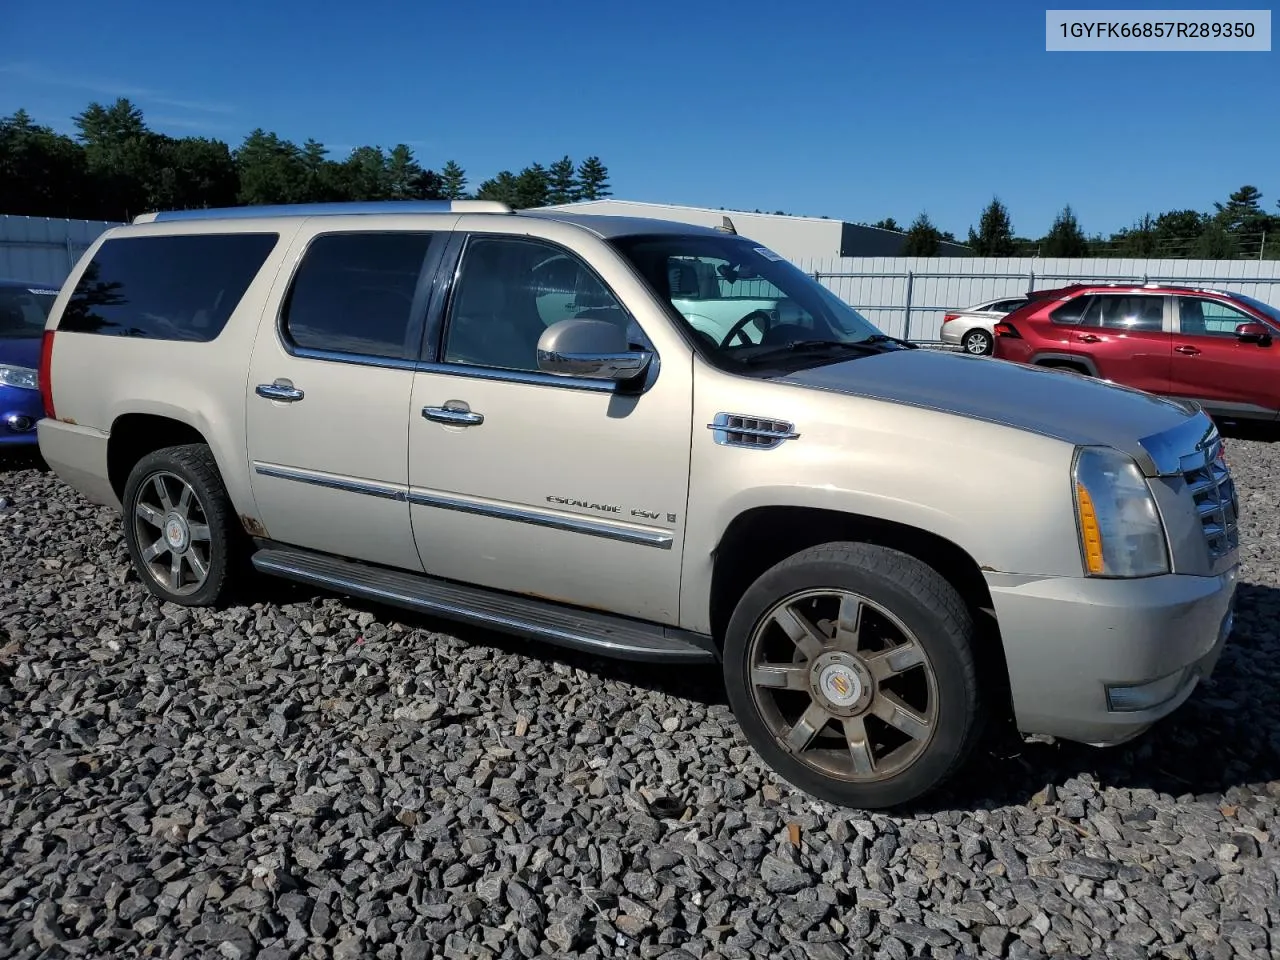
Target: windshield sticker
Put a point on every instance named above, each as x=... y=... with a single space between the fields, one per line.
x=42 y=292
x=767 y=253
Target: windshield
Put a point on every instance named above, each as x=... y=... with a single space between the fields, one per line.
x=1266 y=309
x=747 y=303
x=23 y=311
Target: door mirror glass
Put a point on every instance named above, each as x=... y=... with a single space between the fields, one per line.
x=1253 y=333
x=595 y=349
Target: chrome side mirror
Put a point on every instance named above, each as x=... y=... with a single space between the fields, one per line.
x=595 y=349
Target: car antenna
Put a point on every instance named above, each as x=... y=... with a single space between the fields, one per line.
x=726 y=226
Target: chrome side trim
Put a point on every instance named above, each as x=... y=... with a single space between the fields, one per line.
x=531 y=377
x=590 y=527
x=359 y=359
x=386 y=491
x=423 y=498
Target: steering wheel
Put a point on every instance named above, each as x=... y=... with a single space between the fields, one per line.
x=737 y=330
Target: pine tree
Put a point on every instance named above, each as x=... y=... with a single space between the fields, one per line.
x=403 y=173
x=503 y=188
x=994 y=237
x=1215 y=243
x=593 y=180
x=1140 y=241
x=563 y=186
x=1242 y=209
x=532 y=187
x=455 y=181
x=922 y=238
x=1065 y=238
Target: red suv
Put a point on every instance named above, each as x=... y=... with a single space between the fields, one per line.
x=1219 y=349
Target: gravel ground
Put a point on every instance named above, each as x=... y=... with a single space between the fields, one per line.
x=303 y=777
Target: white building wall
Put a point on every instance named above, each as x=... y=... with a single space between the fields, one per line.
x=796 y=238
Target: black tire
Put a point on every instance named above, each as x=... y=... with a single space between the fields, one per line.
x=928 y=605
x=227 y=547
x=980 y=339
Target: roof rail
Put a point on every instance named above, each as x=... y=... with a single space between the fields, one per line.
x=328 y=209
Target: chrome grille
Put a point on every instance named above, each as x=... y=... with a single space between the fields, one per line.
x=761 y=433
x=1214 y=493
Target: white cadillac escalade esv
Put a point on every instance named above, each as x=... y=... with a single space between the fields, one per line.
x=542 y=423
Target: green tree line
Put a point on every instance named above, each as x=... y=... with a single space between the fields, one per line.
x=1238 y=229
x=116 y=166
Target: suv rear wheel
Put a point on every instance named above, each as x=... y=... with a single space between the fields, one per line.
x=178 y=525
x=850 y=669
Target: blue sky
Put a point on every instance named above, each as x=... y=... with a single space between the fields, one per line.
x=852 y=110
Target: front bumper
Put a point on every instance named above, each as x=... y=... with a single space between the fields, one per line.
x=1100 y=661
x=20 y=411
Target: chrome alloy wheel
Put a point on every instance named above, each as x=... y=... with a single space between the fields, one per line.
x=843 y=685
x=172 y=532
x=978 y=342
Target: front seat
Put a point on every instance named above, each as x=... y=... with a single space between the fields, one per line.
x=496 y=321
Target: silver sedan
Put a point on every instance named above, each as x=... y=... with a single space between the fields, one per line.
x=971 y=328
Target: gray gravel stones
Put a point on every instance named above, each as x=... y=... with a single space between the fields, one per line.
x=306 y=778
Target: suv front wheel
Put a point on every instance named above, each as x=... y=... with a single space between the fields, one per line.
x=178 y=525
x=850 y=669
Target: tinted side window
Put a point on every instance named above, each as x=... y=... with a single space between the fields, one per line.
x=1072 y=312
x=1212 y=318
x=1136 y=312
x=1007 y=306
x=166 y=288
x=353 y=293
x=509 y=291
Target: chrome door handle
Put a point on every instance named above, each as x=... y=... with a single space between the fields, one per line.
x=459 y=416
x=280 y=390
x=1189 y=351
x=1088 y=338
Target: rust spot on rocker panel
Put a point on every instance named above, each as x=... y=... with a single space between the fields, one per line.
x=252 y=526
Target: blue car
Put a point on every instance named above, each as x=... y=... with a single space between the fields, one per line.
x=23 y=310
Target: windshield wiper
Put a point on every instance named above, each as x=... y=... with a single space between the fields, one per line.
x=808 y=346
x=885 y=338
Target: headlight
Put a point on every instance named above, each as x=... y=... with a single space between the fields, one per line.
x=1121 y=534
x=23 y=377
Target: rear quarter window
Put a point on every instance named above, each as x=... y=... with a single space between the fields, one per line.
x=1072 y=312
x=181 y=287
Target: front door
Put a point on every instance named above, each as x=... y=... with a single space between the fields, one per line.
x=328 y=395
x=1211 y=364
x=548 y=486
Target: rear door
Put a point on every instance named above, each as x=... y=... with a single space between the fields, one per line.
x=329 y=388
x=1128 y=337
x=1212 y=365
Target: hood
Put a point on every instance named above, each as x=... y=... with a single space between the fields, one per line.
x=20 y=351
x=1053 y=403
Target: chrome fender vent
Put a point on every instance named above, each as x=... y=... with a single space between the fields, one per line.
x=759 y=433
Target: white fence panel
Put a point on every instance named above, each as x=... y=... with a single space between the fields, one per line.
x=907 y=296
x=44 y=249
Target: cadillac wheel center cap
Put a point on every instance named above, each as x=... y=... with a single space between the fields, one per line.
x=175 y=534
x=840 y=685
